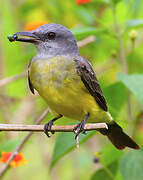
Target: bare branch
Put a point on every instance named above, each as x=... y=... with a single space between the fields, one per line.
x=40 y=128
x=8 y=80
x=20 y=146
x=86 y=41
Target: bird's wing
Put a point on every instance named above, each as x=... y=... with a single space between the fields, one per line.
x=88 y=77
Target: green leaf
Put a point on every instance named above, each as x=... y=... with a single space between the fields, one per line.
x=110 y=154
x=135 y=23
x=9 y=145
x=131 y=165
x=136 y=7
x=116 y=1
x=65 y=143
x=83 y=32
x=86 y=16
x=106 y=173
x=134 y=83
x=113 y=94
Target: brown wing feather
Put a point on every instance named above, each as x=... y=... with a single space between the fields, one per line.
x=90 y=81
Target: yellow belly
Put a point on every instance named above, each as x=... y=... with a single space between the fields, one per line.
x=58 y=83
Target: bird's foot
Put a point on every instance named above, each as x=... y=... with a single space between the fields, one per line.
x=47 y=128
x=79 y=129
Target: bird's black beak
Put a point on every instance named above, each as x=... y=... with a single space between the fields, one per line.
x=29 y=36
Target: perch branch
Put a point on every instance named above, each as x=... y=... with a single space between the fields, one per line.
x=40 y=128
x=20 y=146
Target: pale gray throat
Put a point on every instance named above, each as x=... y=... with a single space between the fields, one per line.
x=51 y=51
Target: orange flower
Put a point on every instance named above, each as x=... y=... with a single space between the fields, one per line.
x=17 y=161
x=34 y=25
x=82 y=1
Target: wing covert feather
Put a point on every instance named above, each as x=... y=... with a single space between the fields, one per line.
x=88 y=77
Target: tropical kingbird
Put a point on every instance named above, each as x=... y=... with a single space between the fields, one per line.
x=68 y=83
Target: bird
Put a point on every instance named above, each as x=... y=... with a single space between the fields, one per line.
x=68 y=83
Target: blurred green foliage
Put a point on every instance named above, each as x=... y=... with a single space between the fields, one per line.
x=57 y=158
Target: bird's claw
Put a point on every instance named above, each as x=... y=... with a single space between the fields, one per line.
x=79 y=129
x=48 y=127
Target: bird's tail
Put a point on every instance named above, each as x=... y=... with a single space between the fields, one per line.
x=118 y=138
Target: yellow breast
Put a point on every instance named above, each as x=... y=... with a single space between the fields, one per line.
x=58 y=83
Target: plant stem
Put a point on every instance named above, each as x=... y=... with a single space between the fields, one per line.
x=123 y=57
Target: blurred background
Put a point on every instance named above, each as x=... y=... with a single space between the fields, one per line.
x=110 y=36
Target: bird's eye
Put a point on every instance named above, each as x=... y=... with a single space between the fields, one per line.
x=51 y=35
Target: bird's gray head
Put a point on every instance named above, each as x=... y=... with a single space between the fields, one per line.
x=50 y=39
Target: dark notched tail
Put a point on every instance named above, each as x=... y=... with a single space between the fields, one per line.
x=118 y=138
